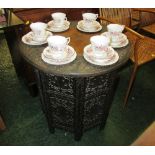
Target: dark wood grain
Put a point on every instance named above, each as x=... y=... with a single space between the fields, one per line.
x=44 y=14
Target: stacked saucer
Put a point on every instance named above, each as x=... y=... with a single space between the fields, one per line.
x=48 y=57
x=94 y=27
x=110 y=58
x=51 y=26
x=115 y=34
x=58 y=51
x=30 y=38
x=38 y=35
x=117 y=41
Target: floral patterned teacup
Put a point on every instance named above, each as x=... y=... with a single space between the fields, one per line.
x=58 y=45
x=99 y=46
x=39 y=31
x=88 y=19
x=59 y=18
x=115 y=31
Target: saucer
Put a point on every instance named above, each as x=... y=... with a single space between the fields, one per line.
x=121 y=44
x=117 y=44
x=69 y=57
x=51 y=55
x=28 y=39
x=53 y=28
x=95 y=28
x=111 y=58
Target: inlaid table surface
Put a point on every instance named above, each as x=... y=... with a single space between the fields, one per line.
x=79 y=67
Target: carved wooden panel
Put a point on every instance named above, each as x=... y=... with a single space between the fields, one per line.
x=75 y=103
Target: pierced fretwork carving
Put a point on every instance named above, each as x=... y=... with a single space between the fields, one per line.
x=75 y=103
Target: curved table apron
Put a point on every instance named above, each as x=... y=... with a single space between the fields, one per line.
x=76 y=96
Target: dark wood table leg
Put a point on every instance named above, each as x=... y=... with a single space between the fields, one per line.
x=45 y=99
x=109 y=99
x=2 y=124
x=11 y=38
x=79 y=91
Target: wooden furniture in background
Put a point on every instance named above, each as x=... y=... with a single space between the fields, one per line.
x=10 y=27
x=143 y=49
x=2 y=124
x=147 y=138
x=44 y=14
x=146 y=18
x=119 y=15
x=14 y=28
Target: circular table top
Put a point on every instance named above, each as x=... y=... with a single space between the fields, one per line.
x=79 y=67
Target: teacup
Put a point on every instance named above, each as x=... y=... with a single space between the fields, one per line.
x=39 y=31
x=100 y=46
x=57 y=46
x=59 y=18
x=88 y=19
x=115 y=31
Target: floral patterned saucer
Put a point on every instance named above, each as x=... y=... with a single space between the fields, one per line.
x=51 y=26
x=95 y=27
x=119 y=42
x=70 y=56
x=28 y=39
x=111 y=58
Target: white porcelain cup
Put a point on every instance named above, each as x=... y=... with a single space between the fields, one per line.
x=39 y=31
x=58 y=45
x=88 y=19
x=99 y=46
x=115 y=31
x=59 y=18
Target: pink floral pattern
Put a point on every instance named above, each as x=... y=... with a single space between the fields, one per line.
x=121 y=41
x=112 y=57
x=70 y=56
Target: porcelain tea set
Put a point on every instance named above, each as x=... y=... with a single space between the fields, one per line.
x=89 y=23
x=38 y=35
x=118 y=39
x=58 y=52
x=59 y=22
x=99 y=52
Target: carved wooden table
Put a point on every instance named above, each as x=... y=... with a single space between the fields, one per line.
x=77 y=96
